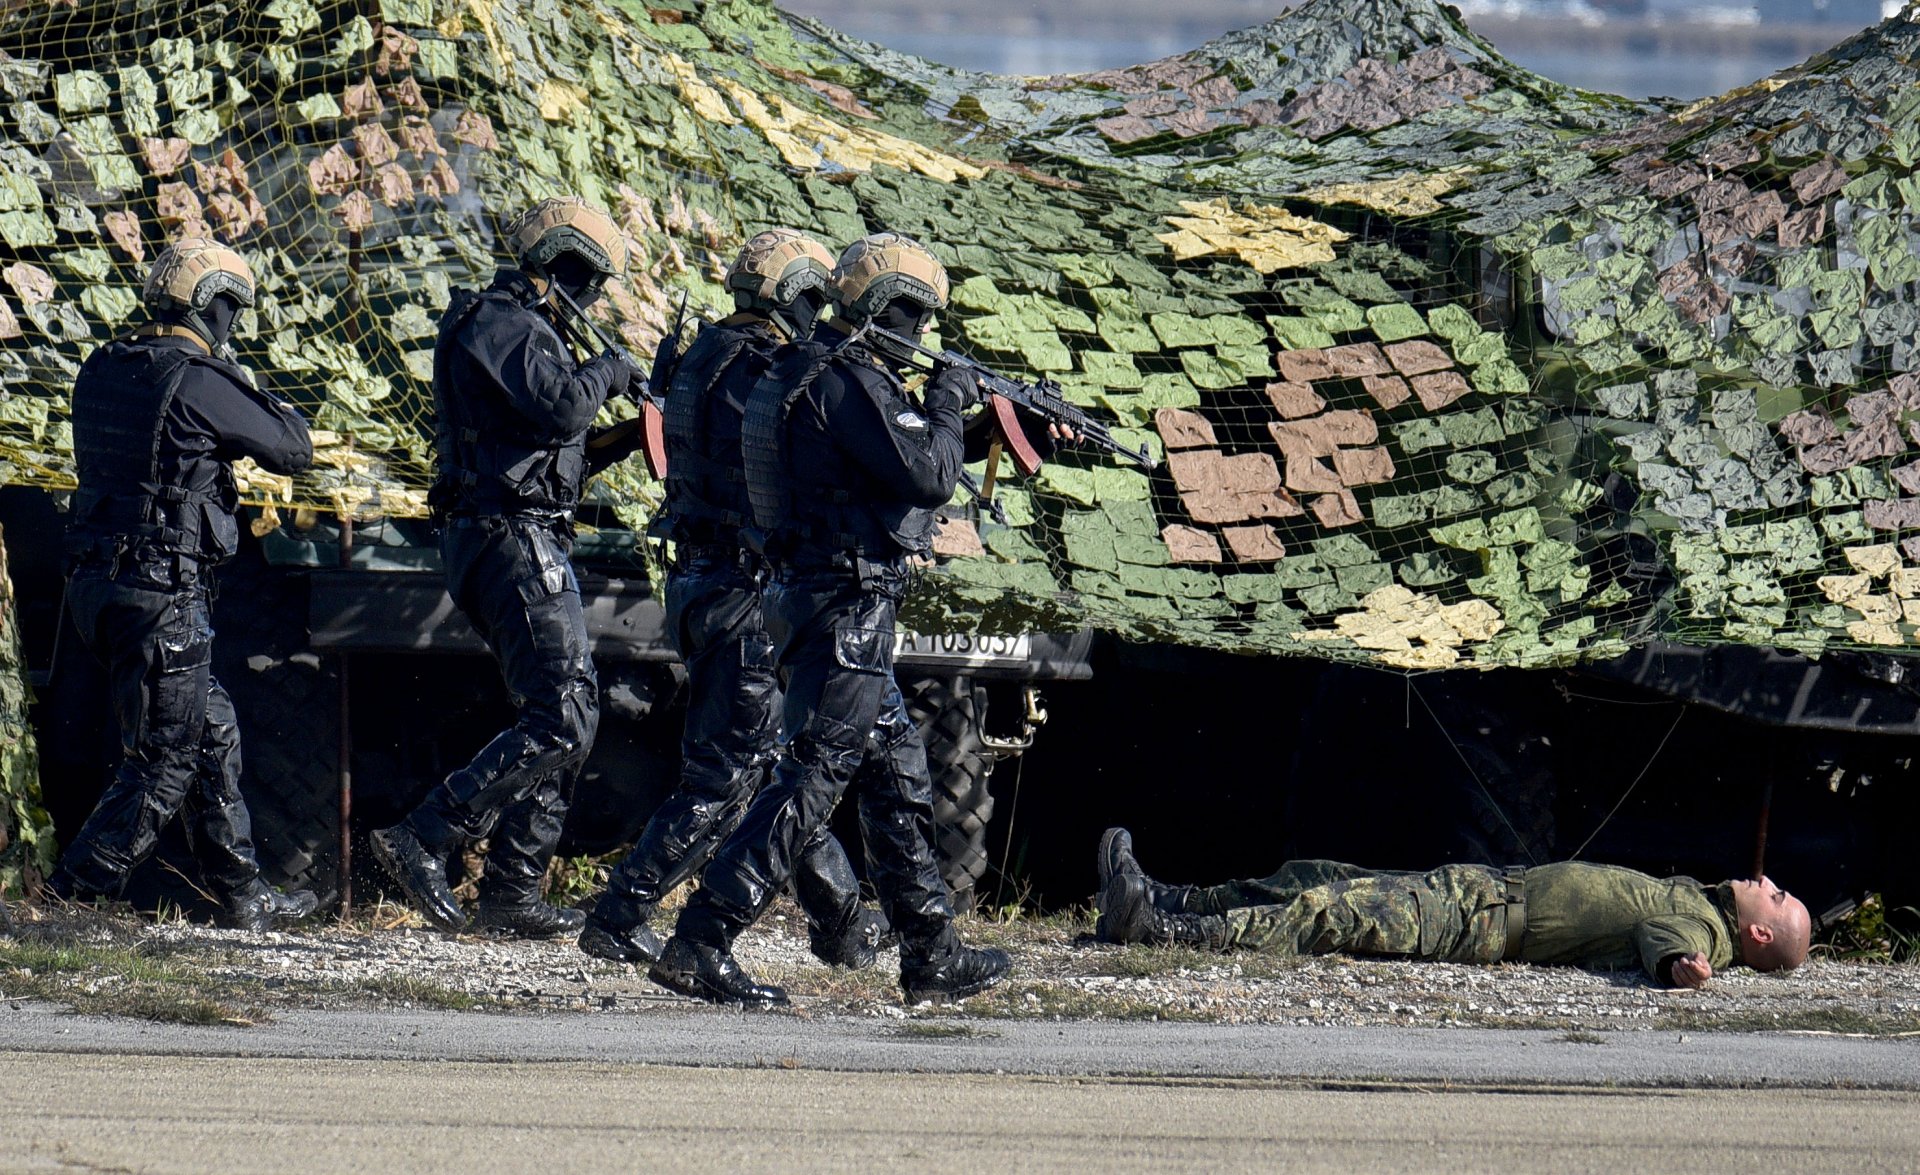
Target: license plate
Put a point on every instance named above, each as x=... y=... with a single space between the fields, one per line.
x=966 y=647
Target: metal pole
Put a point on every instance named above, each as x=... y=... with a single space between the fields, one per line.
x=1760 y=831
x=346 y=751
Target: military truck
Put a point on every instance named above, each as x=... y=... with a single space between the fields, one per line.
x=1452 y=367
x=359 y=686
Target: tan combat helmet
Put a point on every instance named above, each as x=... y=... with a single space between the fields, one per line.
x=774 y=270
x=189 y=274
x=875 y=270
x=566 y=224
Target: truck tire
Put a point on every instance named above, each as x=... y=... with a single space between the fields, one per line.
x=951 y=713
x=288 y=702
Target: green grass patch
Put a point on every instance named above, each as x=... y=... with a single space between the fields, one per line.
x=1143 y=962
x=137 y=981
x=1010 y=1002
x=405 y=989
x=1873 y=934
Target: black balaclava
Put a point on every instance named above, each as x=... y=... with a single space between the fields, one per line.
x=800 y=315
x=219 y=316
x=578 y=279
x=214 y=325
x=905 y=316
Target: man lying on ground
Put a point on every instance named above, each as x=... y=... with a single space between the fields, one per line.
x=1570 y=912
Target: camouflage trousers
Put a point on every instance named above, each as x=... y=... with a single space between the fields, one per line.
x=1453 y=914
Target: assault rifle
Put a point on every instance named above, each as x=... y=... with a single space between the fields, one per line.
x=653 y=421
x=1004 y=394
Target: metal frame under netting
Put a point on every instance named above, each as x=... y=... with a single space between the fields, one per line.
x=1449 y=365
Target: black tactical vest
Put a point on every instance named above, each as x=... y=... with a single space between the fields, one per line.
x=706 y=486
x=137 y=495
x=491 y=459
x=826 y=505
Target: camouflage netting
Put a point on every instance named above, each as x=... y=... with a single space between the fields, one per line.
x=26 y=831
x=1450 y=364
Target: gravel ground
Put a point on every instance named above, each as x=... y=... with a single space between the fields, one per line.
x=390 y=960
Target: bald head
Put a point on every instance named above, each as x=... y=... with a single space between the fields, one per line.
x=1775 y=928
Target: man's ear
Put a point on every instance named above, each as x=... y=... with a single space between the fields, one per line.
x=1760 y=933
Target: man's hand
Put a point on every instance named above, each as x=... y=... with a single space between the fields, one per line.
x=953 y=385
x=1690 y=970
x=620 y=368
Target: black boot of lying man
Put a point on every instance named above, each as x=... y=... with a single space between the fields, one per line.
x=1128 y=914
x=1116 y=857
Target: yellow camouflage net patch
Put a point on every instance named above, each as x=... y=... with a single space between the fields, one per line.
x=558 y=99
x=1265 y=237
x=1406 y=195
x=704 y=100
x=1880 y=613
x=804 y=139
x=482 y=14
x=1413 y=630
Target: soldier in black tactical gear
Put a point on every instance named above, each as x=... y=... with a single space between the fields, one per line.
x=159 y=417
x=514 y=410
x=844 y=471
x=779 y=285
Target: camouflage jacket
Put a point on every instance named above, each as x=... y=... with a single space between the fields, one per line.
x=1607 y=916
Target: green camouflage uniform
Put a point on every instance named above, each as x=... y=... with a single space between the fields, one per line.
x=1576 y=913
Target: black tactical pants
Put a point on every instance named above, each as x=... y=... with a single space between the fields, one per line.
x=845 y=726
x=511 y=577
x=727 y=747
x=179 y=739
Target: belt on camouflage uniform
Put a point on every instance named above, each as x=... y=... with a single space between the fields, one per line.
x=1516 y=880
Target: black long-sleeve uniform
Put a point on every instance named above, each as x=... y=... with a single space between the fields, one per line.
x=857 y=467
x=713 y=618
x=157 y=425
x=514 y=410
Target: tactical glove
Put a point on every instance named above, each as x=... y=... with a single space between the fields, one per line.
x=619 y=368
x=952 y=386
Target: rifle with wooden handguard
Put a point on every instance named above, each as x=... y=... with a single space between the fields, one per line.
x=1005 y=395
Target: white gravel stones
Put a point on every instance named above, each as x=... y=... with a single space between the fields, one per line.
x=1057 y=976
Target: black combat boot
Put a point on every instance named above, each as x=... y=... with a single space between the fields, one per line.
x=507 y=918
x=422 y=876
x=259 y=906
x=967 y=972
x=617 y=930
x=1116 y=857
x=1128 y=914
x=710 y=973
x=854 y=945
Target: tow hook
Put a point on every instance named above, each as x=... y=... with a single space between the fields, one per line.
x=1033 y=719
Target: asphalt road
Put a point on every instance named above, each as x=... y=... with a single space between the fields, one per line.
x=699 y=1089
x=677 y=1033
x=64 y=1111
